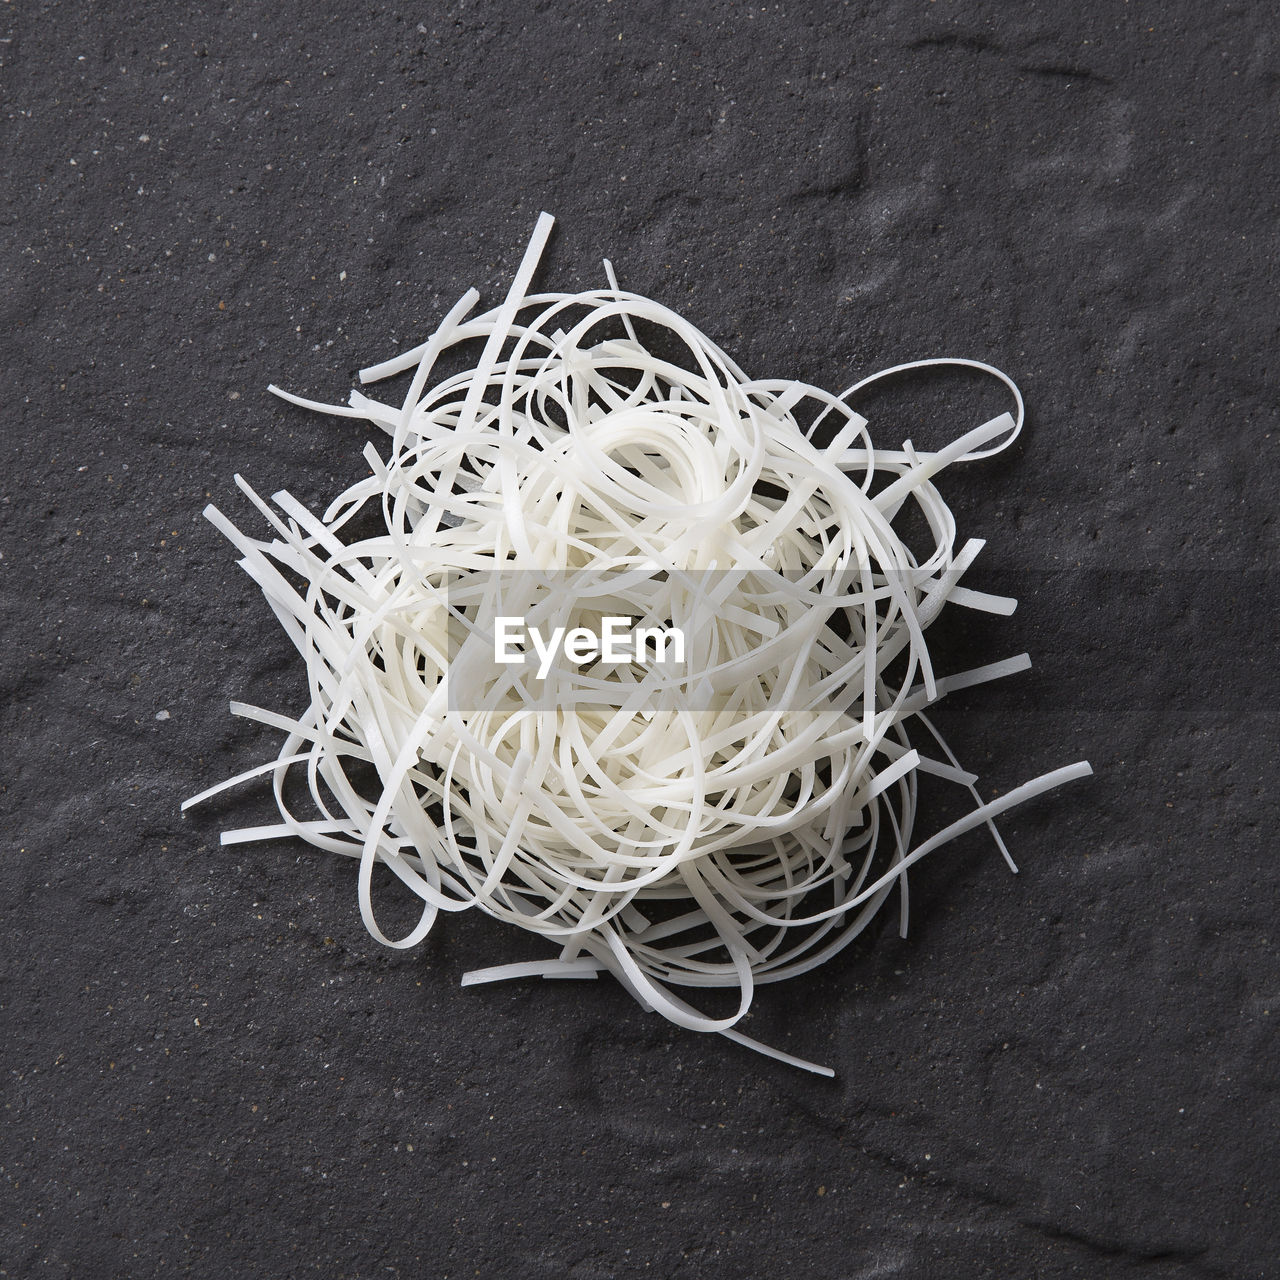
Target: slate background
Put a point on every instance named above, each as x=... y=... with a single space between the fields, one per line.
x=210 y=1069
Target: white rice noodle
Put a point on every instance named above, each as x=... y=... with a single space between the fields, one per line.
x=741 y=831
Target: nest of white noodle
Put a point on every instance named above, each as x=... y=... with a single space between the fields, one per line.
x=736 y=825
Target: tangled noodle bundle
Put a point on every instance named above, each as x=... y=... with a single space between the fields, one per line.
x=734 y=818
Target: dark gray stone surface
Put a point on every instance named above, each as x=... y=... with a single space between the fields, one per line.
x=210 y=1069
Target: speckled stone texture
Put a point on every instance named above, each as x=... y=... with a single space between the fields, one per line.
x=211 y=1070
